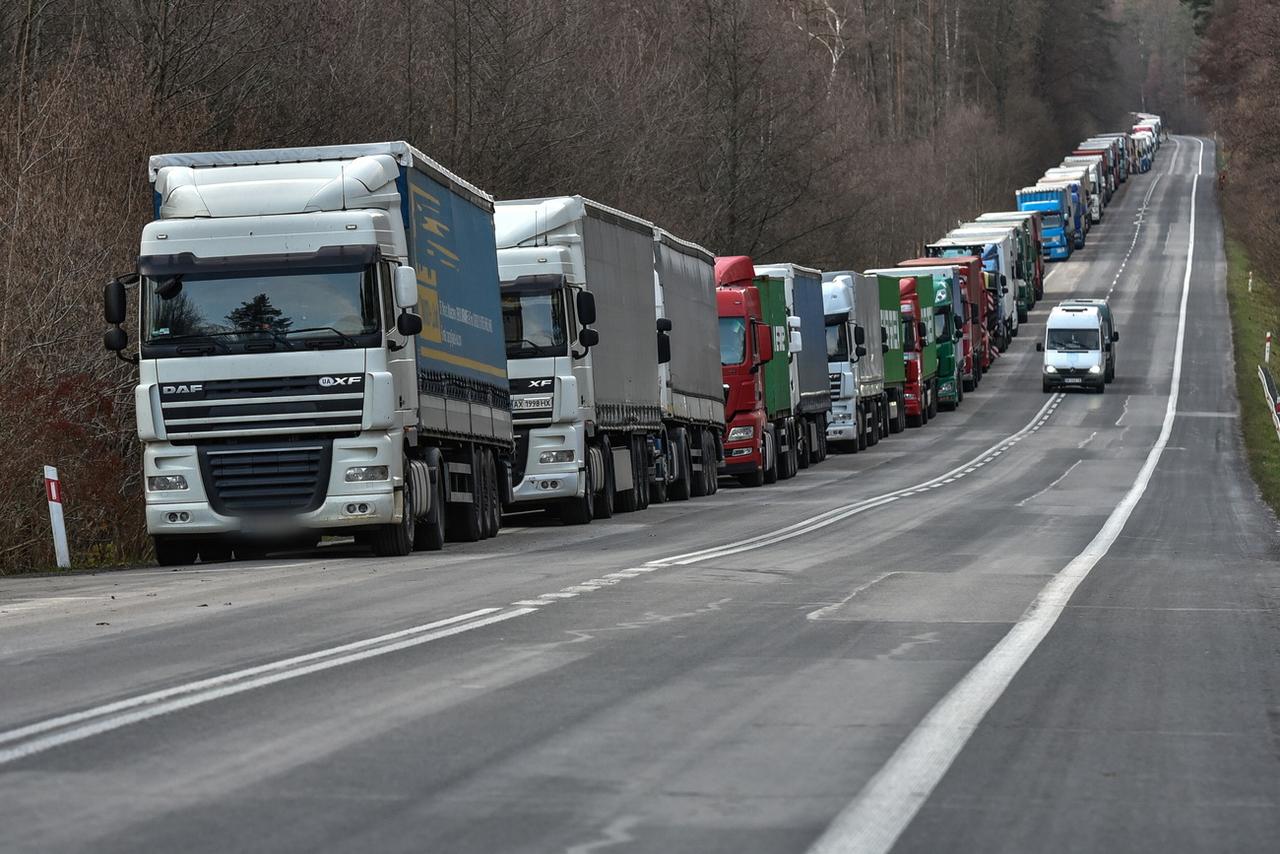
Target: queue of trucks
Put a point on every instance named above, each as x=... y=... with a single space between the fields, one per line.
x=353 y=341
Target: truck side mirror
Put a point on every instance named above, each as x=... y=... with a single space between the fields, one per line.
x=764 y=343
x=859 y=351
x=115 y=339
x=586 y=305
x=1115 y=336
x=923 y=332
x=408 y=324
x=664 y=324
x=859 y=335
x=664 y=348
x=796 y=343
x=406 y=288
x=588 y=338
x=113 y=302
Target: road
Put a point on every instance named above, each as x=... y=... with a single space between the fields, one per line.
x=1041 y=623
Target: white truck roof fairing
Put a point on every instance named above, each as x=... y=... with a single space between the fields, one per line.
x=401 y=152
x=530 y=222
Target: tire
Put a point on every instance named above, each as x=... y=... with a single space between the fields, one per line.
x=933 y=401
x=711 y=464
x=1101 y=388
x=1022 y=317
x=968 y=385
x=801 y=445
x=752 y=480
x=494 y=507
x=1013 y=331
x=698 y=486
x=787 y=462
x=463 y=521
x=1045 y=387
x=680 y=486
x=897 y=423
x=819 y=443
x=883 y=407
x=484 y=494
x=959 y=393
x=396 y=539
x=769 y=450
x=629 y=501
x=860 y=418
x=215 y=551
x=605 y=496
x=580 y=511
x=873 y=435
x=175 y=551
x=428 y=534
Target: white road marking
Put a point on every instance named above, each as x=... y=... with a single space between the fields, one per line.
x=1125 y=410
x=821 y=613
x=1059 y=480
x=875 y=819
x=1087 y=441
x=65 y=729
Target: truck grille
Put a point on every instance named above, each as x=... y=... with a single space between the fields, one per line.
x=835 y=386
x=285 y=479
x=272 y=406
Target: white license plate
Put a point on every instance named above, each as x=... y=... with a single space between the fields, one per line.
x=524 y=404
x=1072 y=380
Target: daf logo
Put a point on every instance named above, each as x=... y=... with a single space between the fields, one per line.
x=541 y=383
x=330 y=382
x=190 y=388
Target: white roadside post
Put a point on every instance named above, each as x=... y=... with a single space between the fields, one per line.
x=53 y=491
x=1266 y=351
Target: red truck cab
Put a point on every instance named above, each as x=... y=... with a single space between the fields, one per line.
x=912 y=348
x=746 y=343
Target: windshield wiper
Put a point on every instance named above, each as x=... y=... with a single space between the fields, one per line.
x=211 y=337
x=346 y=339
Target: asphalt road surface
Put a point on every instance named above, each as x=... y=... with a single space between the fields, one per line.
x=1041 y=623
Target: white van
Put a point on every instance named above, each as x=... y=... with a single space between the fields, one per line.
x=1073 y=349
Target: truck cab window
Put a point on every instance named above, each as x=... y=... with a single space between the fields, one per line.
x=733 y=340
x=838 y=340
x=534 y=322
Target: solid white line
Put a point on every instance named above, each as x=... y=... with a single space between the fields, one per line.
x=116 y=721
x=214 y=681
x=891 y=799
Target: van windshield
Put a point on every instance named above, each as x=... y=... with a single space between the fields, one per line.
x=1073 y=339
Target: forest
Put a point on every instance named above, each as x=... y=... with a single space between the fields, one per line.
x=824 y=132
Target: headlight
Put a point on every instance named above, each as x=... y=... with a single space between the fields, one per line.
x=1095 y=369
x=740 y=434
x=556 y=456
x=166 y=482
x=1050 y=369
x=361 y=474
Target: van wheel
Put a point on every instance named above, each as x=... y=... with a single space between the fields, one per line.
x=1045 y=387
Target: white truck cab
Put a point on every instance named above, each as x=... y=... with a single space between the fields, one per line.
x=1074 y=353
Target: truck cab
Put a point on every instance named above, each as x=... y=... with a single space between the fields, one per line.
x=919 y=347
x=1055 y=220
x=948 y=327
x=995 y=245
x=977 y=352
x=752 y=375
x=1032 y=254
x=1073 y=349
x=846 y=345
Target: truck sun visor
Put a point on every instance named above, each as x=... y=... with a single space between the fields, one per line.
x=183 y=263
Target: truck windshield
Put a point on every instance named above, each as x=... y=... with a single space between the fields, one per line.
x=534 y=323
x=838 y=340
x=942 y=324
x=1072 y=339
x=733 y=340
x=1053 y=220
x=334 y=306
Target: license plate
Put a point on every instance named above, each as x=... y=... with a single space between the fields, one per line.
x=524 y=404
x=1073 y=381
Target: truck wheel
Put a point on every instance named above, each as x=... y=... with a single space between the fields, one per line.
x=968 y=385
x=215 y=551
x=897 y=423
x=642 y=472
x=428 y=535
x=492 y=508
x=580 y=511
x=711 y=464
x=396 y=539
x=786 y=466
x=683 y=471
x=933 y=402
x=175 y=551
x=860 y=418
x=628 y=501
x=802 y=444
x=769 y=452
x=606 y=494
x=1022 y=316
x=700 y=484
x=873 y=434
x=463 y=522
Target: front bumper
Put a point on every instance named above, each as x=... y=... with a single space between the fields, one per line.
x=948 y=390
x=545 y=481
